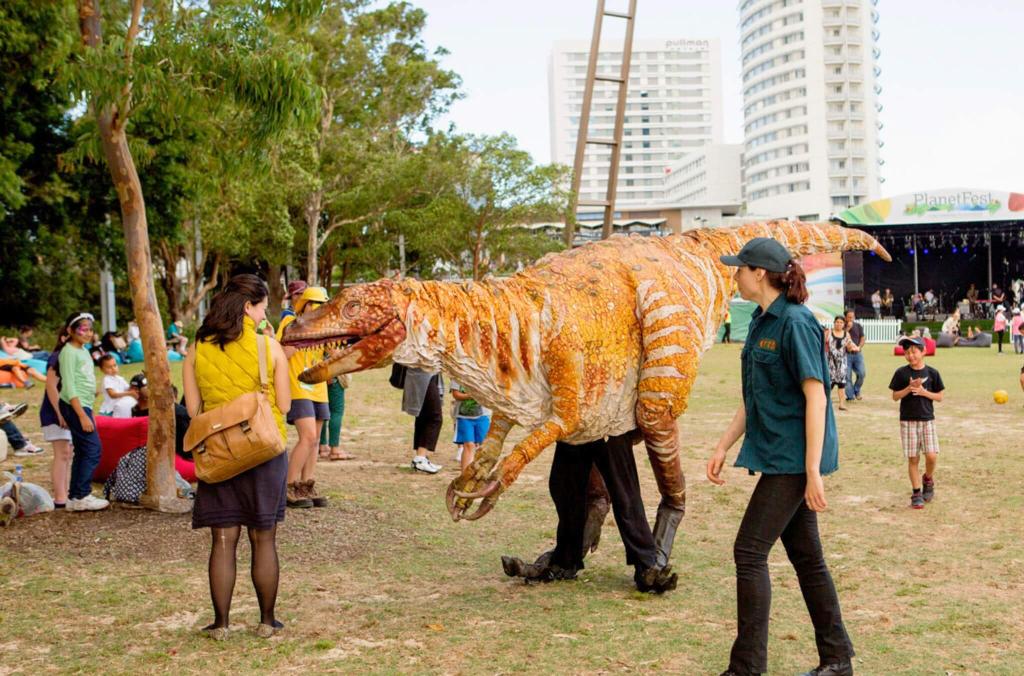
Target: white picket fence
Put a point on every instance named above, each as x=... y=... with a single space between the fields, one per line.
x=879 y=330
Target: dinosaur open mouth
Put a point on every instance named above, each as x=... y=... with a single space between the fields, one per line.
x=337 y=347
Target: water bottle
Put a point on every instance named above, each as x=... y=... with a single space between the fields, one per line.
x=18 y=478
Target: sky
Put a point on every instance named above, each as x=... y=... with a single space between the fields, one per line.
x=953 y=109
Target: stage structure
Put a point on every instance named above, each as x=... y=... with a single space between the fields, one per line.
x=943 y=240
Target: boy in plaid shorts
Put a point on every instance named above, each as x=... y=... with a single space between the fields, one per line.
x=916 y=387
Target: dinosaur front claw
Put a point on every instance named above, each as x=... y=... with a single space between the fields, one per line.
x=489 y=490
x=486 y=505
x=474 y=483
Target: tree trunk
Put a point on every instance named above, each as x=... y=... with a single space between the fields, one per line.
x=161 y=493
x=276 y=289
x=478 y=246
x=199 y=287
x=169 y=281
x=344 y=275
x=327 y=269
x=312 y=215
x=315 y=200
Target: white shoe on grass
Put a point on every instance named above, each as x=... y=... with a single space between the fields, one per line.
x=89 y=503
x=28 y=449
x=421 y=464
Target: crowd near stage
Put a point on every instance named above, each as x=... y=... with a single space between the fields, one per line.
x=940 y=240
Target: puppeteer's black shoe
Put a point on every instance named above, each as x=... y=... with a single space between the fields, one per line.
x=842 y=668
x=655 y=580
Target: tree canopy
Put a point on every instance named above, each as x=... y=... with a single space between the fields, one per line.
x=296 y=138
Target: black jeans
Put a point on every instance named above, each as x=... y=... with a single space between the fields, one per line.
x=428 y=423
x=570 y=476
x=777 y=509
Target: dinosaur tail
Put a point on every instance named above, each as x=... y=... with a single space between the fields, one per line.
x=803 y=238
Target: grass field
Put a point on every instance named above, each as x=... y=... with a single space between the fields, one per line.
x=382 y=581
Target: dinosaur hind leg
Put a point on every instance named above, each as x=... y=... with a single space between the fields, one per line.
x=661 y=437
x=598 y=504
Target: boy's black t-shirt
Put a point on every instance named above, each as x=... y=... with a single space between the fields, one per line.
x=913 y=407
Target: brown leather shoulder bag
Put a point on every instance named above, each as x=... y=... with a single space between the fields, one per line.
x=236 y=436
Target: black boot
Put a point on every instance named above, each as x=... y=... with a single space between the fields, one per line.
x=655 y=580
x=840 y=668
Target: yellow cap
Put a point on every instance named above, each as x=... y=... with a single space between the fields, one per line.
x=316 y=294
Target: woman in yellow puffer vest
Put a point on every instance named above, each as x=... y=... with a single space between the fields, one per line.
x=223 y=366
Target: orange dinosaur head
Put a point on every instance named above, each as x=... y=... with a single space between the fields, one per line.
x=360 y=327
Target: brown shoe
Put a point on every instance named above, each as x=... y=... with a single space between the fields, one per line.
x=309 y=488
x=296 y=496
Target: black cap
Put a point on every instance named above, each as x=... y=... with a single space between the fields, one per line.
x=911 y=340
x=761 y=252
x=138 y=380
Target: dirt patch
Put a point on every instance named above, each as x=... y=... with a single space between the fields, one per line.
x=337 y=533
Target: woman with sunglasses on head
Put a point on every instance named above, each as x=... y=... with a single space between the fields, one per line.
x=77 y=394
x=789 y=436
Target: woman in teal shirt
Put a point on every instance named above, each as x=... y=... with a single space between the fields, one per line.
x=790 y=438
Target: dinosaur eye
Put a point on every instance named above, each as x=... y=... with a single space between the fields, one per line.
x=351 y=309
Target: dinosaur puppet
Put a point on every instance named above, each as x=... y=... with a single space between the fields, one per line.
x=587 y=343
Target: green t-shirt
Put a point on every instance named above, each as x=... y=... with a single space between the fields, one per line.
x=77 y=376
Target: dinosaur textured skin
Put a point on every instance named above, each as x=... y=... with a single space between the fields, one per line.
x=587 y=343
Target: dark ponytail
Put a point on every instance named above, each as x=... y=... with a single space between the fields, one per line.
x=792 y=282
x=62 y=336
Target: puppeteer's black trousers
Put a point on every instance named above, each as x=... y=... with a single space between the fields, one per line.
x=570 y=474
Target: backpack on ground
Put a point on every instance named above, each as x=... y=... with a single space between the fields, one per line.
x=127 y=482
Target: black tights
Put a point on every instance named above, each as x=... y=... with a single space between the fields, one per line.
x=265 y=571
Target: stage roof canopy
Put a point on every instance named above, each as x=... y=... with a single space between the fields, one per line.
x=950 y=205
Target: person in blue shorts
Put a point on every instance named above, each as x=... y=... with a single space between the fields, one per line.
x=471 y=423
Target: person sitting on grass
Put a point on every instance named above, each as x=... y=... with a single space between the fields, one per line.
x=10 y=352
x=916 y=386
x=952 y=326
x=118 y=398
x=25 y=343
x=140 y=390
x=19 y=443
x=175 y=339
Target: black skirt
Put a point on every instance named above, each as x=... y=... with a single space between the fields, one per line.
x=255 y=498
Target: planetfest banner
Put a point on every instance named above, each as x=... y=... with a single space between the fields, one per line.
x=824 y=283
x=938 y=206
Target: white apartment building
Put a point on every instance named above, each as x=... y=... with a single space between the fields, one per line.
x=674 y=106
x=709 y=176
x=810 y=95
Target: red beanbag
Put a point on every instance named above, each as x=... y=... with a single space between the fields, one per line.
x=117 y=437
x=120 y=435
x=186 y=468
x=929 y=348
